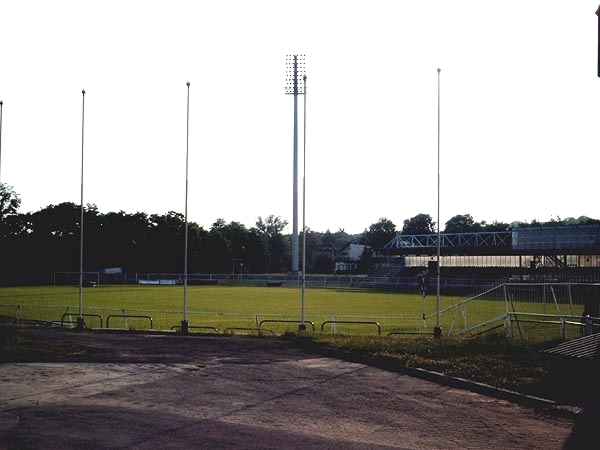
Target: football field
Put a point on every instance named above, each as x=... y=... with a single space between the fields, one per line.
x=224 y=307
x=243 y=309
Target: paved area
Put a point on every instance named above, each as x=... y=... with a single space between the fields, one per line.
x=152 y=391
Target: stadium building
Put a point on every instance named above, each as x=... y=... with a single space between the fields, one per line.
x=545 y=253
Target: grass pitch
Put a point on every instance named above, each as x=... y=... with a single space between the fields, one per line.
x=231 y=308
x=223 y=306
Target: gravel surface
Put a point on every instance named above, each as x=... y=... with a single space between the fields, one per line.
x=146 y=391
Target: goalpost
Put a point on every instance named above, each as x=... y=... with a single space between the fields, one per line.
x=72 y=278
x=562 y=306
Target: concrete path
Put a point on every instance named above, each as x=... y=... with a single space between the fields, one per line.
x=151 y=391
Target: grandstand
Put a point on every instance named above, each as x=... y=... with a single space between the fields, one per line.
x=469 y=261
x=541 y=254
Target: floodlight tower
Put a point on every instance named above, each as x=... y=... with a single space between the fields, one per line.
x=302 y=318
x=295 y=69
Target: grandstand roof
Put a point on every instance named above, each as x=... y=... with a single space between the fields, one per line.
x=545 y=240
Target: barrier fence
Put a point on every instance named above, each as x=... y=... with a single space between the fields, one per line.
x=396 y=283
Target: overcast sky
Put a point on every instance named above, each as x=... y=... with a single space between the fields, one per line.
x=520 y=109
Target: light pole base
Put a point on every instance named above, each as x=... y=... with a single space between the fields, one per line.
x=301 y=328
x=437 y=332
x=80 y=324
x=184 y=327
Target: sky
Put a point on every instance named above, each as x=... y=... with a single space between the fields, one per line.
x=519 y=108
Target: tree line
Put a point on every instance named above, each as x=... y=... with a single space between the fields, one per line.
x=34 y=245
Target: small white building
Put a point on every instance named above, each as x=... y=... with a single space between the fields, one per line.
x=348 y=257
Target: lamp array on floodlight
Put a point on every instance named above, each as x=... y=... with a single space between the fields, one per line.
x=295 y=69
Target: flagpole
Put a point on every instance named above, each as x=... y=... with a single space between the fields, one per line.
x=80 y=323
x=302 y=324
x=185 y=322
x=437 y=332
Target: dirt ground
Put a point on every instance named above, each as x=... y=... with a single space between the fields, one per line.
x=143 y=391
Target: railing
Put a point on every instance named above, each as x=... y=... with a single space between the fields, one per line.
x=62 y=319
x=123 y=316
x=227 y=330
x=284 y=321
x=199 y=327
x=335 y=322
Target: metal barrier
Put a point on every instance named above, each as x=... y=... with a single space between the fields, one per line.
x=246 y=329
x=562 y=320
x=123 y=316
x=32 y=322
x=62 y=319
x=420 y=333
x=178 y=327
x=285 y=321
x=352 y=322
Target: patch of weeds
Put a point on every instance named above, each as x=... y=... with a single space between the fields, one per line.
x=17 y=348
x=494 y=359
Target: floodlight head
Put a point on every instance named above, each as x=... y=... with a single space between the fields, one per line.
x=187 y=84
x=295 y=68
x=83 y=92
x=439 y=70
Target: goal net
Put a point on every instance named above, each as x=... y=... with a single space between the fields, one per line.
x=527 y=306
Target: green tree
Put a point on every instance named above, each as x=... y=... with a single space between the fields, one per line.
x=236 y=234
x=216 y=249
x=462 y=223
x=379 y=233
x=121 y=241
x=278 y=247
x=419 y=224
x=366 y=260
x=271 y=225
x=341 y=238
x=256 y=253
x=165 y=243
x=581 y=220
x=495 y=226
x=9 y=201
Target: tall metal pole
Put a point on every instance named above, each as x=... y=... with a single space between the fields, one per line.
x=302 y=324
x=598 y=14
x=295 y=188
x=295 y=199
x=295 y=68
x=1 y=103
x=80 y=323
x=184 y=322
x=437 y=332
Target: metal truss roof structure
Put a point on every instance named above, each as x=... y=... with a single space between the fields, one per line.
x=546 y=240
x=499 y=240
